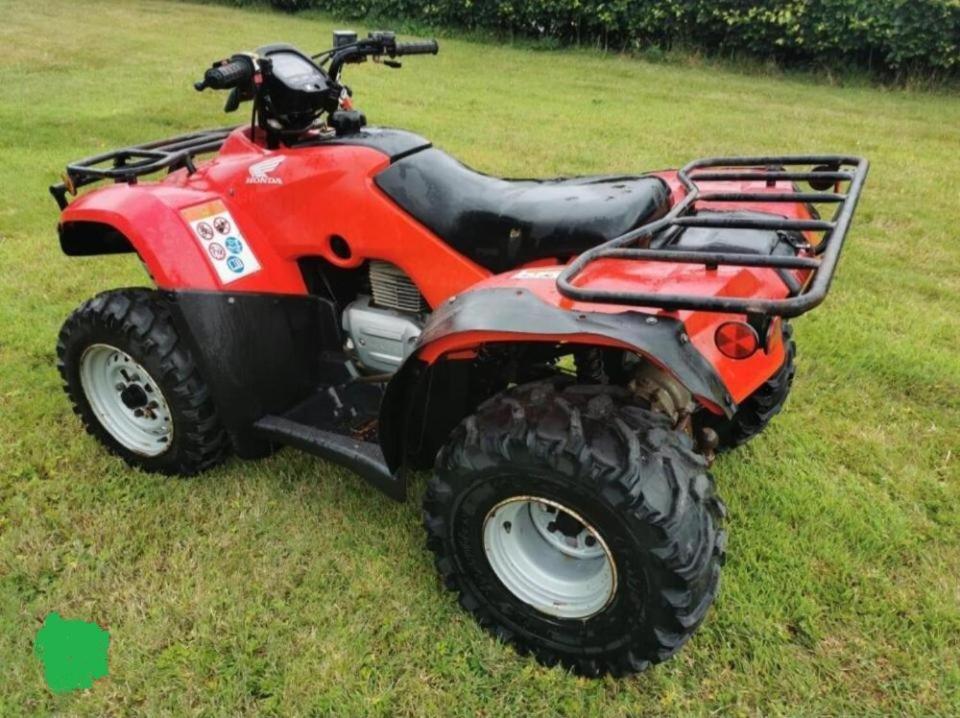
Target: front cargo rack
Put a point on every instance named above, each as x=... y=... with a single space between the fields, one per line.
x=828 y=171
x=129 y=163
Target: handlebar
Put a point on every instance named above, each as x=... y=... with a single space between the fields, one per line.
x=235 y=72
x=298 y=91
x=377 y=44
x=424 y=47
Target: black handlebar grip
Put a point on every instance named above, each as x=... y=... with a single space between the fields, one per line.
x=425 y=47
x=228 y=75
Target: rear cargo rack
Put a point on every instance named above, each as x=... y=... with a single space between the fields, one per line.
x=828 y=170
x=129 y=163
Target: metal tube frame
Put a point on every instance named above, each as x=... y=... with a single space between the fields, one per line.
x=761 y=169
x=129 y=163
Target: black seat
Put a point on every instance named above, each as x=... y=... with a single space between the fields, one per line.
x=501 y=223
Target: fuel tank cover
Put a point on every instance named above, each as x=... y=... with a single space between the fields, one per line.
x=395 y=144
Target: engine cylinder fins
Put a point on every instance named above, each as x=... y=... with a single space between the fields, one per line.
x=393 y=289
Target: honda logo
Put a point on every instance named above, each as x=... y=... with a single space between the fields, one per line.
x=260 y=172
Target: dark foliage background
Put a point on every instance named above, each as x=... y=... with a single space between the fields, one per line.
x=891 y=37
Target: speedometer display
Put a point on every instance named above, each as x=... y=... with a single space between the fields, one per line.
x=293 y=69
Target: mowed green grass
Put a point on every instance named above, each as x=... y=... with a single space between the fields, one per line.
x=288 y=587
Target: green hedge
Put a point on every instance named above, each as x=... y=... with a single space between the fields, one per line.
x=888 y=36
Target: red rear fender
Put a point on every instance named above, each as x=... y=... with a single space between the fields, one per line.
x=493 y=313
x=524 y=305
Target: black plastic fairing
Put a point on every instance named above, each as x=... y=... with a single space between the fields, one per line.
x=764 y=242
x=513 y=310
x=296 y=89
x=83 y=239
x=363 y=457
x=260 y=353
x=425 y=398
x=395 y=144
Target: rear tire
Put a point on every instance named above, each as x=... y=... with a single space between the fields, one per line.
x=631 y=481
x=756 y=412
x=135 y=386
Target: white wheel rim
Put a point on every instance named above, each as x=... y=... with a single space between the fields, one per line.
x=549 y=557
x=126 y=400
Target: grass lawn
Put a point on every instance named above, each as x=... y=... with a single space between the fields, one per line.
x=289 y=587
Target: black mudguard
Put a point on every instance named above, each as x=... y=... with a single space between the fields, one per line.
x=260 y=353
x=427 y=398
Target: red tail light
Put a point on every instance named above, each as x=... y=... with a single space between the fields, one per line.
x=737 y=340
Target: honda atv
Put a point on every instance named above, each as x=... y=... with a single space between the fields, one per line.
x=566 y=355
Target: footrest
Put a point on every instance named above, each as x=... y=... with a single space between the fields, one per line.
x=363 y=457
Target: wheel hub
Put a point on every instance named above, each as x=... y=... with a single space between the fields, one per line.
x=549 y=557
x=133 y=396
x=564 y=532
x=126 y=400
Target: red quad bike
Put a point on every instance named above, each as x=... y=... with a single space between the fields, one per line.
x=566 y=355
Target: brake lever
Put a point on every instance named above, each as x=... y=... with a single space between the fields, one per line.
x=233 y=100
x=395 y=64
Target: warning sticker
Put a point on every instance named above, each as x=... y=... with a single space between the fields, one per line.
x=537 y=274
x=217 y=232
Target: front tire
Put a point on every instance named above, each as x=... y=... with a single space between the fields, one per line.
x=629 y=499
x=135 y=387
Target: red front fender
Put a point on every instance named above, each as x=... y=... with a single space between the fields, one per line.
x=153 y=219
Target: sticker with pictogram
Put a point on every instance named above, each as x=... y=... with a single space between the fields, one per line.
x=204 y=230
x=231 y=257
x=234 y=245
